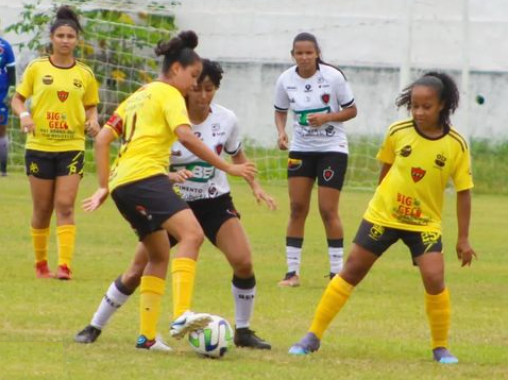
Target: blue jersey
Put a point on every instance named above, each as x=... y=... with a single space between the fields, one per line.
x=6 y=60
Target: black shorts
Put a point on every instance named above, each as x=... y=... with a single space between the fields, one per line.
x=212 y=214
x=329 y=168
x=377 y=239
x=49 y=165
x=148 y=203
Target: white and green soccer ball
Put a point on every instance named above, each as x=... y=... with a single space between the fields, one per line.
x=214 y=340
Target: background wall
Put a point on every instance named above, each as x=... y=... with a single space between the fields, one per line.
x=369 y=39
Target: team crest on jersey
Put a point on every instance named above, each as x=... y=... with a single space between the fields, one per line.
x=77 y=83
x=47 y=79
x=218 y=148
x=417 y=174
x=406 y=151
x=325 y=98
x=294 y=164
x=62 y=95
x=328 y=174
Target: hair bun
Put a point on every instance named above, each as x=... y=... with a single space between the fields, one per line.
x=189 y=39
x=65 y=13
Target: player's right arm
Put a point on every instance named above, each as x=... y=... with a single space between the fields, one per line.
x=196 y=146
x=26 y=122
x=103 y=140
x=281 y=105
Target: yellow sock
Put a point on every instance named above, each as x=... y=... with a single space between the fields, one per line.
x=40 y=241
x=438 y=310
x=183 y=271
x=152 y=289
x=66 y=237
x=332 y=301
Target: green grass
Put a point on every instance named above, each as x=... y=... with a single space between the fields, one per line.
x=381 y=334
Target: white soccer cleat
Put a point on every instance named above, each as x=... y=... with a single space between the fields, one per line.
x=188 y=321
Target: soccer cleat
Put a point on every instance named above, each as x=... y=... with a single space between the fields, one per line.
x=64 y=272
x=291 y=279
x=42 y=270
x=88 y=335
x=443 y=356
x=309 y=343
x=245 y=337
x=156 y=344
x=188 y=321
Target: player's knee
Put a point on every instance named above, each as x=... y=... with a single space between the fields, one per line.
x=328 y=216
x=64 y=210
x=243 y=268
x=194 y=237
x=42 y=210
x=298 y=210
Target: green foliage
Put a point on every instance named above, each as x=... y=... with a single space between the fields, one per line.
x=116 y=44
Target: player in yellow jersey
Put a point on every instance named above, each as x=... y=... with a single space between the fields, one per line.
x=64 y=97
x=149 y=122
x=419 y=156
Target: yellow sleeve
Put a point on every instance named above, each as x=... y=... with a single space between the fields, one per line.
x=386 y=153
x=175 y=112
x=25 y=88
x=91 y=96
x=462 y=176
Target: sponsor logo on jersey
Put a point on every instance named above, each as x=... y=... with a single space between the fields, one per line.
x=47 y=79
x=294 y=163
x=406 y=151
x=330 y=131
x=197 y=134
x=77 y=83
x=376 y=231
x=325 y=98
x=62 y=95
x=308 y=88
x=291 y=88
x=417 y=174
x=440 y=161
x=328 y=174
x=218 y=148
x=212 y=190
x=176 y=153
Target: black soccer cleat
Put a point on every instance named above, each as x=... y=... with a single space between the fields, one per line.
x=88 y=335
x=245 y=337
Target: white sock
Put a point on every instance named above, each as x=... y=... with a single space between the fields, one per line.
x=111 y=302
x=294 y=254
x=244 y=292
x=336 y=255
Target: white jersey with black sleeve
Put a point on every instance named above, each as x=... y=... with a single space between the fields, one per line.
x=221 y=134
x=325 y=92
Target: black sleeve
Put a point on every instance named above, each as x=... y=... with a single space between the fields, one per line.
x=11 y=73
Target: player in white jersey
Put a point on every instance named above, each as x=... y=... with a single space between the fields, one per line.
x=320 y=99
x=207 y=192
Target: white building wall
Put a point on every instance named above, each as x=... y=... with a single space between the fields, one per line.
x=365 y=37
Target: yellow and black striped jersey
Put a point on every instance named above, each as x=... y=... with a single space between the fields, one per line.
x=410 y=197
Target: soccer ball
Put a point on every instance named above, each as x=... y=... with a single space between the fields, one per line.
x=214 y=340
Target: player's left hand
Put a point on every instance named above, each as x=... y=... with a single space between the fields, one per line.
x=317 y=119
x=465 y=252
x=180 y=176
x=261 y=196
x=92 y=128
x=96 y=200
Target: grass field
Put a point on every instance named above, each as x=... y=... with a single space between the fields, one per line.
x=381 y=334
